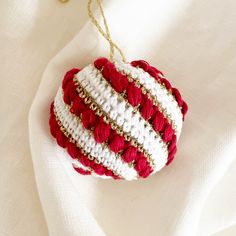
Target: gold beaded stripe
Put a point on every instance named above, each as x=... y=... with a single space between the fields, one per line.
x=152 y=97
x=90 y=133
x=123 y=96
x=72 y=140
x=99 y=111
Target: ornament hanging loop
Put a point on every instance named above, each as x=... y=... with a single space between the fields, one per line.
x=105 y=34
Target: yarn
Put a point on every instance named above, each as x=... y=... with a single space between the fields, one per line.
x=78 y=105
x=159 y=122
x=82 y=171
x=134 y=94
x=88 y=119
x=69 y=76
x=116 y=119
x=117 y=143
x=130 y=154
x=147 y=108
x=102 y=132
x=73 y=150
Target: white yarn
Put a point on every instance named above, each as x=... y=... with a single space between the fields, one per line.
x=166 y=100
x=87 y=142
x=124 y=116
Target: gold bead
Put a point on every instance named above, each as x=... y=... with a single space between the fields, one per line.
x=93 y=106
x=87 y=100
x=82 y=94
x=127 y=137
x=106 y=120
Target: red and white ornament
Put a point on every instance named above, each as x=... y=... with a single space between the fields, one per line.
x=117 y=120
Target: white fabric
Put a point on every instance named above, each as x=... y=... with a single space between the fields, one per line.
x=193 y=42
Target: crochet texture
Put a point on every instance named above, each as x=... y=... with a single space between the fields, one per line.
x=117 y=120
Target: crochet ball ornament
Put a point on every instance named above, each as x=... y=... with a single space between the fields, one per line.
x=117 y=120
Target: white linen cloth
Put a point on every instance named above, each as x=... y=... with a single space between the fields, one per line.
x=193 y=43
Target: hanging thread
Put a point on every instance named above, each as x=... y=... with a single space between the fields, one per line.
x=106 y=34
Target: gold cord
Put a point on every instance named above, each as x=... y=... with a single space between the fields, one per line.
x=106 y=34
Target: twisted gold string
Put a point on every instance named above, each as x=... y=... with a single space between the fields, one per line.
x=106 y=34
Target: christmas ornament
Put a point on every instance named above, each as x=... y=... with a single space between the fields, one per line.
x=116 y=119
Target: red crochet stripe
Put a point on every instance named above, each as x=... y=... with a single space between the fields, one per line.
x=74 y=151
x=68 y=86
x=102 y=132
x=155 y=74
x=135 y=97
x=82 y=171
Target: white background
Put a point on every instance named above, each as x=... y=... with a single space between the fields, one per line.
x=194 y=43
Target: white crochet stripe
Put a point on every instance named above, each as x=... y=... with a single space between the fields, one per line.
x=122 y=113
x=78 y=164
x=85 y=139
x=166 y=100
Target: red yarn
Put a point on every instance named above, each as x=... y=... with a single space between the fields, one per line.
x=140 y=63
x=54 y=127
x=51 y=125
x=172 y=143
x=51 y=118
x=168 y=133
x=156 y=70
x=152 y=72
x=114 y=176
x=102 y=132
x=112 y=134
x=147 y=108
x=99 y=169
x=134 y=94
x=78 y=106
x=178 y=97
x=108 y=173
x=61 y=139
x=145 y=172
x=171 y=156
x=82 y=171
x=73 y=150
x=89 y=119
x=130 y=154
x=52 y=108
x=146 y=67
x=142 y=166
x=117 y=143
x=119 y=82
x=69 y=92
x=158 y=121
x=84 y=160
x=184 y=108
x=141 y=163
x=52 y=131
x=100 y=62
x=69 y=76
x=166 y=83
x=107 y=70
